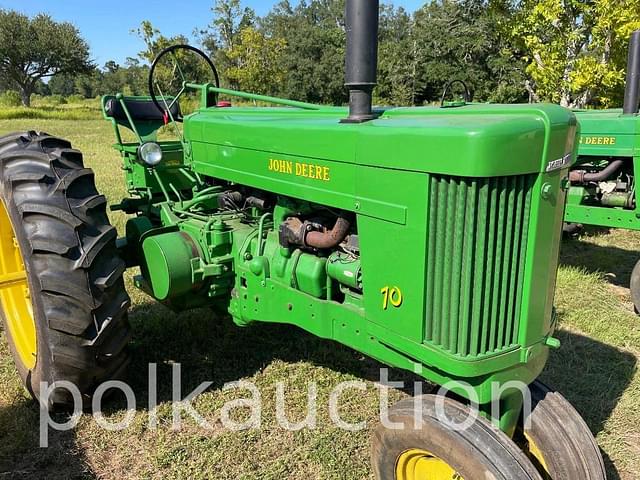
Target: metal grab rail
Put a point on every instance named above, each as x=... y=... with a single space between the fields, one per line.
x=206 y=88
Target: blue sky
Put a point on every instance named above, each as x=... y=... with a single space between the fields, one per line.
x=106 y=24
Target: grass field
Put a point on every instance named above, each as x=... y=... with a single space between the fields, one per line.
x=78 y=109
x=596 y=369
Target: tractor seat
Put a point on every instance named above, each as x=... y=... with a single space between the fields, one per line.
x=140 y=109
x=146 y=118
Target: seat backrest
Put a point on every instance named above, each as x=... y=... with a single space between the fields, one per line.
x=142 y=111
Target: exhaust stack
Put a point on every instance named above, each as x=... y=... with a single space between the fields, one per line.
x=632 y=87
x=362 y=58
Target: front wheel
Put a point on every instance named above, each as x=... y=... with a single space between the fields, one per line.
x=62 y=297
x=431 y=449
x=557 y=439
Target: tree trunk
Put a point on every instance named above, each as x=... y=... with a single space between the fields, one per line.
x=25 y=93
x=533 y=96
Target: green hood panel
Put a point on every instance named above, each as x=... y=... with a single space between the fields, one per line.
x=474 y=140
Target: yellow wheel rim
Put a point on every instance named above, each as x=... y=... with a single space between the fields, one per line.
x=535 y=454
x=14 y=294
x=416 y=464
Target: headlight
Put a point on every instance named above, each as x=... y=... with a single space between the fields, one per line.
x=150 y=153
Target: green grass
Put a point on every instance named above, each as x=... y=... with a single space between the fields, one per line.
x=40 y=110
x=595 y=369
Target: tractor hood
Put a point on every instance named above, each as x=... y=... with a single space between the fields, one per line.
x=472 y=140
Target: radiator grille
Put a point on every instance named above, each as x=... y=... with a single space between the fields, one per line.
x=476 y=250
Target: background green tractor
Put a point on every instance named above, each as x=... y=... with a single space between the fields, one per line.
x=426 y=238
x=603 y=188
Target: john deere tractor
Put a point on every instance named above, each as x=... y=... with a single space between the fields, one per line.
x=603 y=181
x=426 y=238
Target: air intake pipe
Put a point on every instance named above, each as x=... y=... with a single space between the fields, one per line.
x=581 y=176
x=362 y=58
x=632 y=87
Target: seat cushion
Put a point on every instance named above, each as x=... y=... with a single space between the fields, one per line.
x=140 y=109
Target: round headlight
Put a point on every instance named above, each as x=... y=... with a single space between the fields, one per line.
x=150 y=153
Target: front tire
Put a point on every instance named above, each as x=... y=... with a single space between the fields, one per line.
x=557 y=439
x=73 y=286
x=436 y=451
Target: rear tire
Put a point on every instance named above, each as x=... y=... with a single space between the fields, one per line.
x=436 y=451
x=558 y=441
x=73 y=270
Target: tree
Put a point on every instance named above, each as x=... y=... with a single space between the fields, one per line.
x=576 y=49
x=314 y=58
x=89 y=85
x=136 y=77
x=229 y=20
x=464 y=40
x=155 y=41
x=223 y=34
x=396 y=58
x=257 y=62
x=62 y=84
x=168 y=78
x=505 y=64
x=35 y=48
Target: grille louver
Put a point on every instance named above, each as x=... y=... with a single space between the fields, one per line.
x=477 y=239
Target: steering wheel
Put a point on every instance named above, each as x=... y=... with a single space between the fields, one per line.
x=177 y=80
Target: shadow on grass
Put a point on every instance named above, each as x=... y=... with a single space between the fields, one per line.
x=21 y=457
x=211 y=348
x=616 y=263
x=592 y=376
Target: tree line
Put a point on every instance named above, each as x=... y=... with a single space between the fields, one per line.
x=571 y=52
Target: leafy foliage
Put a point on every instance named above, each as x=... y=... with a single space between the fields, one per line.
x=462 y=40
x=396 y=58
x=571 y=52
x=10 y=98
x=314 y=57
x=576 y=49
x=256 y=62
x=35 y=48
x=223 y=34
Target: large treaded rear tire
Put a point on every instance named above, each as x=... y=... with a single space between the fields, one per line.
x=73 y=269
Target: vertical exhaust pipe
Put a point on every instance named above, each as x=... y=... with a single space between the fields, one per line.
x=362 y=58
x=632 y=87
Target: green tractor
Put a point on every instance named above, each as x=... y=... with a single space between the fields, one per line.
x=603 y=190
x=426 y=238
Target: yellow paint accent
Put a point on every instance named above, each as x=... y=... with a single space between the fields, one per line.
x=300 y=169
x=391 y=295
x=417 y=464
x=597 y=140
x=15 y=299
x=395 y=296
x=385 y=297
x=534 y=452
